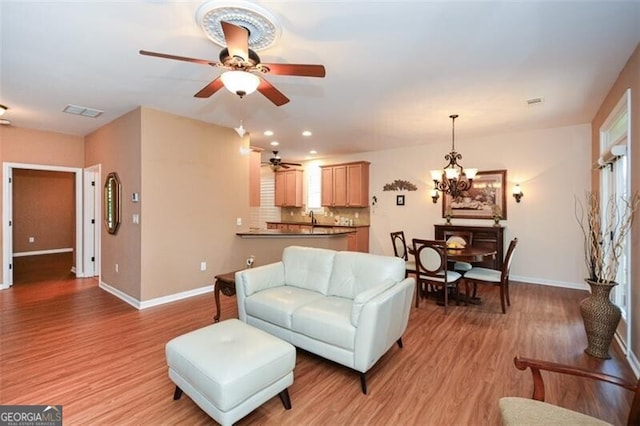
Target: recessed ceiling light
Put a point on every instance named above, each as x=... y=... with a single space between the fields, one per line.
x=313 y=152
x=268 y=132
x=306 y=133
x=274 y=143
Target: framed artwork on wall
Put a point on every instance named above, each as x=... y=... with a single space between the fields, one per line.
x=486 y=198
x=399 y=200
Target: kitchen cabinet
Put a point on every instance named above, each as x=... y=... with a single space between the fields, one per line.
x=345 y=185
x=359 y=240
x=288 y=188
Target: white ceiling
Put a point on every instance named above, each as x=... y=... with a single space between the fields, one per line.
x=395 y=69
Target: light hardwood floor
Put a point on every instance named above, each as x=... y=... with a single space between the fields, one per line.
x=68 y=342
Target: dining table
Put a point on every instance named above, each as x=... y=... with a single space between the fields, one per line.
x=471 y=254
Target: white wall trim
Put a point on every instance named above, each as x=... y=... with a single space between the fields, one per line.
x=548 y=282
x=7 y=232
x=157 y=301
x=39 y=252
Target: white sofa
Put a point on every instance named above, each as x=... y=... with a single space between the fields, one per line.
x=345 y=306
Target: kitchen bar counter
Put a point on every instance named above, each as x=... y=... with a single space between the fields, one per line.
x=316 y=231
x=317 y=225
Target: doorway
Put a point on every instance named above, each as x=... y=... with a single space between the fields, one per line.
x=8 y=214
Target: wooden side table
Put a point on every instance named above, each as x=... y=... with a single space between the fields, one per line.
x=227 y=284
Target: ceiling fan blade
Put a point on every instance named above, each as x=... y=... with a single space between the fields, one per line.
x=301 y=70
x=210 y=89
x=178 y=58
x=291 y=164
x=237 y=39
x=271 y=93
x=284 y=165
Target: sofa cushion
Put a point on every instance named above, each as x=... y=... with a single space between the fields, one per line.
x=308 y=268
x=276 y=305
x=355 y=272
x=327 y=319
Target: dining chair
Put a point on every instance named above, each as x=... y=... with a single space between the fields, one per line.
x=467 y=236
x=431 y=263
x=535 y=411
x=400 y=250
x=494 y=277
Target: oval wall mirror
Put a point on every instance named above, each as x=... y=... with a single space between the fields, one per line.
x=112 y=202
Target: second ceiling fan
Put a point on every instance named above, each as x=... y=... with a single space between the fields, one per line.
x=243 y=65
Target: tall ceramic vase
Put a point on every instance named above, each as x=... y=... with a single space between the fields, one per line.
x=601 y=318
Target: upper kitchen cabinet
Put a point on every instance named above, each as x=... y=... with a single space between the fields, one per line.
x=288 y=188
x=345 y=185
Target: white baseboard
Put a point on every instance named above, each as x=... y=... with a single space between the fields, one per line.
x=40 y=252
x=548 y=282
x=157 y=301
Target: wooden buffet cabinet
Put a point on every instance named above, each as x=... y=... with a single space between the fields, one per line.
x=288 y=188
x=483 y=236
x=345 y=185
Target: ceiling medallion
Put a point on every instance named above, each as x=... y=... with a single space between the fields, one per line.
x=264 y=29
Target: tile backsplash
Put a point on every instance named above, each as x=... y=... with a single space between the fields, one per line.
x=331 y=215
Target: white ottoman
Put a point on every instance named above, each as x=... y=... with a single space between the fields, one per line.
x=230 y=368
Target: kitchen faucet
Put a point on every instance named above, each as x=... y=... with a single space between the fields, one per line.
x=314 y=221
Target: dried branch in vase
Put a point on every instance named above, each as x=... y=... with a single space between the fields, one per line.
x=604 y=228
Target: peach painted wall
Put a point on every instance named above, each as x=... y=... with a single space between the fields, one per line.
x=629 y=78
x=44 y=205
x=195 y=184
x=29 y=146
x=117 y=148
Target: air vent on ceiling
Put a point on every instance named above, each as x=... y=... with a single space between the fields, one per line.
x=84 y=111
x=534 y=101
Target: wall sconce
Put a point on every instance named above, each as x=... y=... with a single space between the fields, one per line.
x=435 y=195
x=517 y=193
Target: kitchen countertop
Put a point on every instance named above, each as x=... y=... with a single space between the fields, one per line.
x=318 y=231
x=319 y=225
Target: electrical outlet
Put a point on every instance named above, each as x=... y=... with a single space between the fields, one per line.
x=135 y=218
x=117 y=268
x=32 y=239
x=203 y=266
x=239 y=221
x=356 y=215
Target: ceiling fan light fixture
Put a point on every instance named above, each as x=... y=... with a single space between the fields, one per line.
x=3 y=109
x=241 y=83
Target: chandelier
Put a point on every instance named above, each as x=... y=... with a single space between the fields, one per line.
x=453 y=179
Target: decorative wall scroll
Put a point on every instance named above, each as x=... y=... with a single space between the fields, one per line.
x=399 y=185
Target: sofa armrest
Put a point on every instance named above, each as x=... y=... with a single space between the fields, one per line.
x=253 y=280
x=383 y=320
x=364 y=297
x=250 y=281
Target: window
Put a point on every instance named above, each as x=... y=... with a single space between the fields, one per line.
x=314 y=187
x=614 y=182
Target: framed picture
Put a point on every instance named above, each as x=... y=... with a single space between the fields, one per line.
x=399 y=200
x=485 y=199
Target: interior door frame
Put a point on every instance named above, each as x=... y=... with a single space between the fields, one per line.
x=7 y=216
x=92 y=220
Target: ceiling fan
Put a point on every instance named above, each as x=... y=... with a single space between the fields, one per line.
x=276 y=162
x=244 y=70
